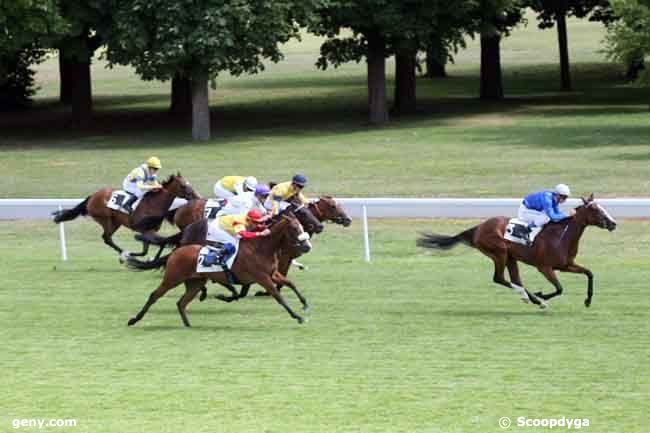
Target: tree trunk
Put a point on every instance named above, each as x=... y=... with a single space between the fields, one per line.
x=491 y=80
x=200 y=108
x=565 y=73
x=378 y=111
x=405 y=99
x=181 y=98
x=65 y=79
x=81 y=98
x=436 y=59
x=634 y=67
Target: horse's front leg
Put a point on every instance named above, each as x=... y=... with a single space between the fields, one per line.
x=145 y=250
x=577 y=269
x=280 y=279
x=549 y=273
x=269 y=285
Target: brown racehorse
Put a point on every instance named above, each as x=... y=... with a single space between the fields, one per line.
x=256 y=262
x=555 y=248
x=147 y=218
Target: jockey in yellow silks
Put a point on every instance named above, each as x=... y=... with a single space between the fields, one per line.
x=141 y=180
x=284 y=192
x=230 y=186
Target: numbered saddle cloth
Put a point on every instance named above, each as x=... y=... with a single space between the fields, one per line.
x=117 y=200
x=216 y=267
x=213 y=206
x=516 y=232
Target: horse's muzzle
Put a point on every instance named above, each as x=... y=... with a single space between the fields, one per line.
x=344 y=221
x=318 y=228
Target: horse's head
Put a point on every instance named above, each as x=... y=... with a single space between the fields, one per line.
x=593 y=214
x=306 y=218
x=178 y=186
x=297 y=237
x=326 y=209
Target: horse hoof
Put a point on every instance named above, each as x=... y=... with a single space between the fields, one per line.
x=306 y=308
x=525 y=300
x=132 y=321
x=300 y=320
x=587 y=303
x=543 y=305
x=124 y=255
x=202 y=296
x=260 y=293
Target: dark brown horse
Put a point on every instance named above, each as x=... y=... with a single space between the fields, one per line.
x=147 y=218
x=555 y=248
x=256 y=262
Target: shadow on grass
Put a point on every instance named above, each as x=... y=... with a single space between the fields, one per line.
x=125 y=121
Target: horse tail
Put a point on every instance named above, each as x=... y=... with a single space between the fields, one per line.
x=69 y=214
x=441 y=242
x=136 y=265
x=169 y=216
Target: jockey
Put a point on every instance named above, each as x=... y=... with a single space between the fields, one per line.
x=228 y=228
x=141 y=180
x=230 y=186
x=246 y=201
x=539 y=208
x=283 y=192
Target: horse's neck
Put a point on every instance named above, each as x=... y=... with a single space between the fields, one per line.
x=157 y=203
x=315 y=210
x=574 y=230
x=270 y=244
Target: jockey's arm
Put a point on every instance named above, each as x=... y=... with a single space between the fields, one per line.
x=551 y=209
x=144 y=186
x=302 y=199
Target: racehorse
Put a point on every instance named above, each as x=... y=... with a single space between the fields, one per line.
x=555 y=248
x=256 y=262
x=147 y=217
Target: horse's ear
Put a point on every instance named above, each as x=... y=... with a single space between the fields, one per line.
x=178 y=173
x=584 y=200
x=591 y=197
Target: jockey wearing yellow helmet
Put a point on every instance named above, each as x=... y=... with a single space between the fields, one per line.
x=141 y=180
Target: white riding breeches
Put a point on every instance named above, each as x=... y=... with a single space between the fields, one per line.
x=539 y=219
x=132 y=188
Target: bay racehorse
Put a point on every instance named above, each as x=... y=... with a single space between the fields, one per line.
x=256 y=262
x=555 y=248
x=147 y=217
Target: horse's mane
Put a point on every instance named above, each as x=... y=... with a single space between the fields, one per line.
x=171 y=178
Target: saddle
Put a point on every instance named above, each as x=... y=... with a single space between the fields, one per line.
x=118 y=199
x=517 y=231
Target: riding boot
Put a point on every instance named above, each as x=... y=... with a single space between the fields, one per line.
x=129 y=202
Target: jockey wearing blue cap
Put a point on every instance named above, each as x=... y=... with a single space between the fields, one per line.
x=539 y=208
x=283 y=192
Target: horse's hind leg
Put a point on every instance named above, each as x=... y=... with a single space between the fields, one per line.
x=163 y=288
x=500 y=259
x=282 y=280
x=110 y=226
x=145 y=250
x=513 y=270
x=192 y=287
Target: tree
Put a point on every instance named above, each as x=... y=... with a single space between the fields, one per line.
x=381 y=28
x=628 y=39
x=26 y=28
x=198 y=39
x=494 y=19
x=554 y=12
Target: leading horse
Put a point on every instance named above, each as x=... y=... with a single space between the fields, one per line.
x=256 y=262
x=147 y=217
x=555 y=248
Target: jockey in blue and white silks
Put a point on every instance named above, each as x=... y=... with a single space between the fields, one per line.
x=539 y=208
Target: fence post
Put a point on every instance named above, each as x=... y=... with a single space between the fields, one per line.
x=366 y=241
x=64 y=251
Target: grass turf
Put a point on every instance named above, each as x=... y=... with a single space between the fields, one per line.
x=292 y=118
x=412 y=342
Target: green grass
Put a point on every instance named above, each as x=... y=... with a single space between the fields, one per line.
x=293 y=117
x=412 y=342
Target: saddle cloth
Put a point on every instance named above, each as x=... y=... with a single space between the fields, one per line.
x=213 y=206
x=117 y=200
x=208 y=249
x=517 y=228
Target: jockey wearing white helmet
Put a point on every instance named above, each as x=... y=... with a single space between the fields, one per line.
x=539 y=208
x=230 y=186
